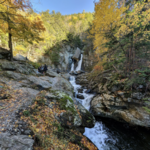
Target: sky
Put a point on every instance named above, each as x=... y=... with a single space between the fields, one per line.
x=65 y=7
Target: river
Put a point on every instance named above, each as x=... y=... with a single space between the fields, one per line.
x=108 y=134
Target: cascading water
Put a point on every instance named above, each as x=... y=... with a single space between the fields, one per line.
x=79 y=64
x=97 y=134
x=110 y=135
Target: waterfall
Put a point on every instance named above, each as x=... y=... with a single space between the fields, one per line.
x=97 y=134
x=79 y=64
x=72 y=67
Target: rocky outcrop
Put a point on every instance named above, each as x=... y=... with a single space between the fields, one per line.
x=82 y=79
x=19 y=87
x=112 y=101
x=65 y=54
x=13 y=142
x=75 y=116
x=77 y=55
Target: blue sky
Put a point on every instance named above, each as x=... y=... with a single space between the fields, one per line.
x=65 y=7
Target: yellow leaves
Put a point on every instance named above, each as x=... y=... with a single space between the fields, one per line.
x=70 y=23
x=37 y=130
x=107 y=15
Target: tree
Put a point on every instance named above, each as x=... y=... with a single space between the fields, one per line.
x=107 y=16
x=18 y=23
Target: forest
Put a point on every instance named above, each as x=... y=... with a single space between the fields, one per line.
x=45 y=32
x=117 y=34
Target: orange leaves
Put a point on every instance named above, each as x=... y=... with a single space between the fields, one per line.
x=88 y=144
x=98 y=68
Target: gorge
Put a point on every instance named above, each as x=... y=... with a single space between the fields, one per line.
x=108 y=134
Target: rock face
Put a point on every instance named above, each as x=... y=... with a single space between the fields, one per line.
x=4 y=53
x=65 y=54
x=21 y=84
x=82 y=79
x=113 y=102
x=23 y=67
x=77 y=55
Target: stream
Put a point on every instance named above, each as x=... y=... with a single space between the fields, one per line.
x=108 y=134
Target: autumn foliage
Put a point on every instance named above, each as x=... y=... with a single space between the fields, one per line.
x=50 y=133
x=18 y=23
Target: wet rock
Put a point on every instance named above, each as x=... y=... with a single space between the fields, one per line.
x=88 y=91
x=88 y=119
x=80 y=90
x=80 y=96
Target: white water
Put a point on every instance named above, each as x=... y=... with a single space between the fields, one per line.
x=72 y=67
x=97 y=134
x=79 y=64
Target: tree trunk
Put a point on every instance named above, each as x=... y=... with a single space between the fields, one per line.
x=10 y=44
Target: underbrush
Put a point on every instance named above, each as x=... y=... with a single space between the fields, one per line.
x=49 y=134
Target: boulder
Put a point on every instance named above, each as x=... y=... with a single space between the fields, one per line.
x=77 y=55
x=80 y=71
x=75 y=116
x=80 y=90
x=62 y=85
x=66 y=76
x=88 y=119
x=42 y=82
x=8 y=65
x=80 y=96
x=51 y=73
x=88 y=91
x=15 y=142
x=19 y=57
x=25 y=68
x=14 y=75
x=120 y=109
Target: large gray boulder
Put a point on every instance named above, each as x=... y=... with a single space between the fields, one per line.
x=77 y=54
x=19 y=57
x=120 y=109
x=51 y=73
x=8 y=65
x=16 y=142
x=75 y=115
x=63 y=85
x=44 y=83
x=14 y=75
